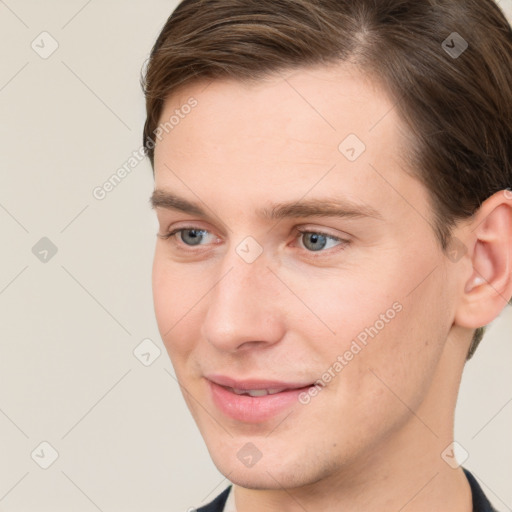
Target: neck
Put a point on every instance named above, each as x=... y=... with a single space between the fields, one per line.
x=419 y=484
x=406 y=473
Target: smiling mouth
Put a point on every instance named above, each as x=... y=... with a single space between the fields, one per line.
x=254 y=401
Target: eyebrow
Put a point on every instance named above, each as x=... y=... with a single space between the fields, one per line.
x=321 y=207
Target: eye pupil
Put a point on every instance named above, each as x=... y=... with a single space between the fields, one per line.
x=192 y=236
x=314 y=241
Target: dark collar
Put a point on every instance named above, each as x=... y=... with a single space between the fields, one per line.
x=217 y=505
x=480 y=501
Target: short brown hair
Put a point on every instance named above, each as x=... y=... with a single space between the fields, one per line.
x=457 y=107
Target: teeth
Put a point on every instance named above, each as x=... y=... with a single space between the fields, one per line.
x=257 y=392
x=275 y=390
x=238 y=391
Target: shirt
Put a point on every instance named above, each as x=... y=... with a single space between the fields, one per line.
x=225 y=501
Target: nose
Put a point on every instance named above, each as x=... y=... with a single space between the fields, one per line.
x=244 y=306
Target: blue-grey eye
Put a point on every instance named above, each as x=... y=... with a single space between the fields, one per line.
x=314 y=241
x=192 y=236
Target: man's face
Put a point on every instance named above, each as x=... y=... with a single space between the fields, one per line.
x=248 y=296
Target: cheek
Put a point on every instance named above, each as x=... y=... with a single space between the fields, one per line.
x=383 y=324
x=176 y=296
x=338 y=307
x=400 y=357
x=386 y=361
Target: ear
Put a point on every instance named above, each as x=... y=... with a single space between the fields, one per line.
x=488 y=287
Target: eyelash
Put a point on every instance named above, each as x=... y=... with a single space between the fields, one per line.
x=299 y=232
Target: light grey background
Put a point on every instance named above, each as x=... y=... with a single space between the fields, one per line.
x=70 y=324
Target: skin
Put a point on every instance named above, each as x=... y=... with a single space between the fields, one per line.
x=373 y=436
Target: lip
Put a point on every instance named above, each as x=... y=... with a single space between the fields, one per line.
x=223 y=380
x=257 y=409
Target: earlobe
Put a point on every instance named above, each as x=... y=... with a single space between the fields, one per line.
x=489 y=287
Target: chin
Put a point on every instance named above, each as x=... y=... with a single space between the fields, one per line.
x=256 y=483
x=264 y=478
x=271 y=472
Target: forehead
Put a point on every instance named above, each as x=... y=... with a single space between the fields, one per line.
x=324 y=128
x=307 y=111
